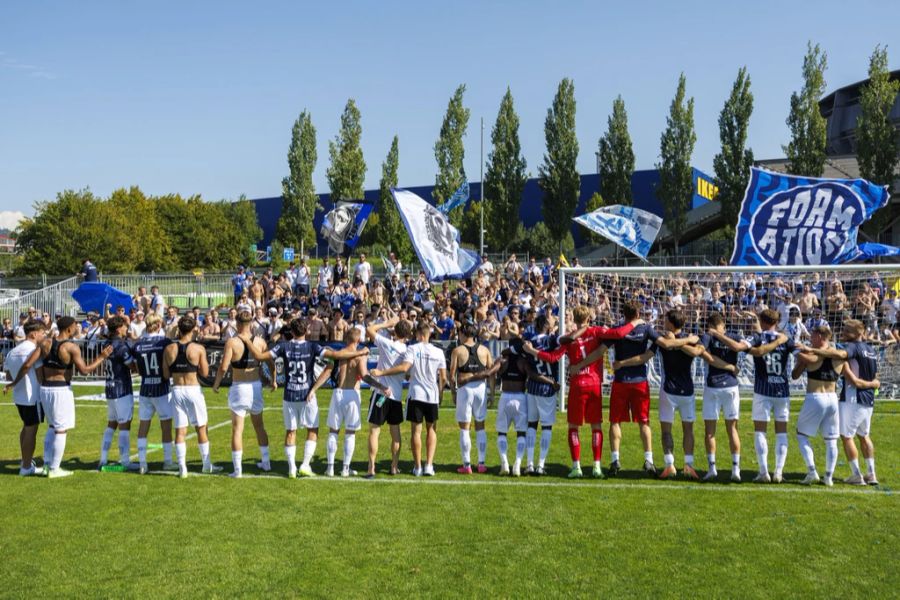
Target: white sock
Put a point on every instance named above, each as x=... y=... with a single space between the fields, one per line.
x=648 y=456
x=520 y=448
x=870 y=465
x=48 y=446
x=736 y=461
x=576 y=464
x=181 y=454
x=854 y=467
x=167 y=452
x=502 y=447
x=614 y=456
x=237 y=457
x=124 y=446
x=669 y=459
x=309 y=449
x=781 y=449
x=349 y=447
x=806 y=452
x=142 y=450
x=530 y=443
x=291 y=453
x=689 y=460
x=106 y=444
x=59 y=447
x=465 y=447
x=264 y=454
x=762 y=451
x=711 y=460
x=831 y=456
x=481 y=444
x=204 y=453
x=330 y=448
x=546 y=436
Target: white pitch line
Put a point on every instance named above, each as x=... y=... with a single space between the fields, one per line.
x=135 y=456
x=598 y=487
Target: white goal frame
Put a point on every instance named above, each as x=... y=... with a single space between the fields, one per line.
x=564 y=272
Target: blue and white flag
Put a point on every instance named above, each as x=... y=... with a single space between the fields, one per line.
x=788 y=220
x=459 y=197
x=343 y=225
x=632 y=228
x=435 y=240
x=873 y=250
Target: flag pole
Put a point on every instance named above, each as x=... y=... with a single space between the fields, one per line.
x=481 y=195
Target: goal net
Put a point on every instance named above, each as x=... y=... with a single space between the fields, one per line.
x=804 y=297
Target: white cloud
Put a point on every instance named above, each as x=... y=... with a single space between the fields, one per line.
x=9 y=219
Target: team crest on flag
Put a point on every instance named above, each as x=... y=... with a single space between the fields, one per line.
x=343 y=225
x=789 y=220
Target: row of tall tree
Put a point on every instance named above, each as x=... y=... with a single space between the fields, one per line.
x=132 y=232
x=558 y=175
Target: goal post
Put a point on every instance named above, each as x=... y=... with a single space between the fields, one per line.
x=804 y=296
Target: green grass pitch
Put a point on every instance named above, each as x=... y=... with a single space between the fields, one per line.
x=124 y=535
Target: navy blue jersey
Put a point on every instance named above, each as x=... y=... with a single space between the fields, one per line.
x=864 y=362
x=676 y=370
x=634 y=344
x=772 y=368
x=546 y=343
x=299 y=367
x=148 y=353
x=118 y=370
x=717 y=378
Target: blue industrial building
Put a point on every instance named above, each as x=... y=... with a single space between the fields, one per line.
x=643 y=186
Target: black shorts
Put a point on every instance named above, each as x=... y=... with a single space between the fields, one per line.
x=31 y=415
x=418 y=411
x=390 y=412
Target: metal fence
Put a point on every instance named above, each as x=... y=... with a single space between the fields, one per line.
x=53 y=299
x=182 y=290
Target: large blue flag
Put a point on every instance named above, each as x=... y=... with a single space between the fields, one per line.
x=435 y=240
x=632 y=228
x=94 y=296
x=459 y=197
x=788 y=220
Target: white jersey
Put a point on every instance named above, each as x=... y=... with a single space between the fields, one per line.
x=27 y=392
x=390 y=353
x=426 y=361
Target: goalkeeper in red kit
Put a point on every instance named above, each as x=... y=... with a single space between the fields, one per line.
x=585 y=403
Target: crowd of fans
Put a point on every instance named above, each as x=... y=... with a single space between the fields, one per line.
x=504 y=300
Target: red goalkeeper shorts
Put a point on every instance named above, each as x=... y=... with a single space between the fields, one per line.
x=585 y=402
x=629 y=402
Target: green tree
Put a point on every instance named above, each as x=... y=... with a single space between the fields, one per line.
x=299 y=202
x=806 y=150
x=347 y=173
x=676 y=145
x=389 y=229
x=878 y=151
x=594 y=202
x=243 y=214
x=541 y=242
x=732 y=163
x=505 y=179
x=616 y=157
x=449 y=151
x=140 y=241
x=558 y=174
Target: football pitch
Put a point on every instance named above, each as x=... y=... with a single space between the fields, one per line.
x=125 y=535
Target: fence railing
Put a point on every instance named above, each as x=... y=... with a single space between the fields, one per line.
x=182 y=290
x=53 y=299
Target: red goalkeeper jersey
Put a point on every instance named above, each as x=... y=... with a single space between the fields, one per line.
x=578 y=349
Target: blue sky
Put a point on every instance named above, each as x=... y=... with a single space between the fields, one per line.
x=200 y=97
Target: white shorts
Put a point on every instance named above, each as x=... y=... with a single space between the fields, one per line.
x=344 y=410
x=725 y=400
x=161 y=405
x=669 y=403
x=300 y=415
x=189 y=405
x=780 y=408
x=855 y=419
x=471 y=400
x=819 y=413
x=543 y=409
x=512 y=409
x=120 y=410
x=246 y=397
x=59 y=407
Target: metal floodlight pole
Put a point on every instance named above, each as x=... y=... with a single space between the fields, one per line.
x=481 y=194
